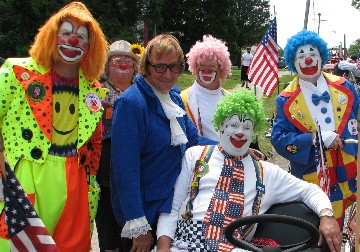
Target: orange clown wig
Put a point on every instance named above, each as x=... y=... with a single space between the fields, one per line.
x=45 y=50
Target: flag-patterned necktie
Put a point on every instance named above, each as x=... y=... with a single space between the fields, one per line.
x=226 y=205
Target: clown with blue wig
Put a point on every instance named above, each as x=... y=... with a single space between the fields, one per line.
x=315 y=96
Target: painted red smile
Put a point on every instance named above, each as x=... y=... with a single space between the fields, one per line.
x=70 y=53
x=237 y=143
x=309 y=70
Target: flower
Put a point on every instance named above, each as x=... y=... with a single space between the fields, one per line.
x=137 y=49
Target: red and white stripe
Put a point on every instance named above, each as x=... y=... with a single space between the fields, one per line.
x=34 y=237
x=263 y=69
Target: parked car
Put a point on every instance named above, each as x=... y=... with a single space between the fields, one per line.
x=281 y=63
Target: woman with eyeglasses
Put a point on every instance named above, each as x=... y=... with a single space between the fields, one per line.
x=150 y=133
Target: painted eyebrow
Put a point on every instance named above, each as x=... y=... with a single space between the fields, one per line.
x=244 y=118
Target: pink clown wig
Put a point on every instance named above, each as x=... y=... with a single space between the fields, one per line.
x=210 y=48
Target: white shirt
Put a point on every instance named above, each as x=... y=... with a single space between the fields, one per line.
x=206 y=101
x=280 y=186
x=246 y=59
x=323 y=110
x=345 y=65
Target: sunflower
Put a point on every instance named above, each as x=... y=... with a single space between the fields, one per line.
x=137 y=49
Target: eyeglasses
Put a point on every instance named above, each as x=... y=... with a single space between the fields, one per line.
x=161 y=68
x=122 y=59
x=210 y=67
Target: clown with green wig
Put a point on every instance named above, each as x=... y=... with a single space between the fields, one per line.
x=221 y=183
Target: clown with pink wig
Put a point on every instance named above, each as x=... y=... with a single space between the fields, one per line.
x=209 y=61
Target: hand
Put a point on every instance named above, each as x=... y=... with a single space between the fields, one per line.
x=257 y=155
x=142 y=243
x=164 y=244
x=337 y=143
x=330 y=230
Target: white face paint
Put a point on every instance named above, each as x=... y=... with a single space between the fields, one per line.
x=236 y=134
x=207 y=78
x=73 y=41
x=207 y=73
x=308 y=63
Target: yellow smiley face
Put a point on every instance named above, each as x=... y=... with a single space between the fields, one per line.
x=65 y=118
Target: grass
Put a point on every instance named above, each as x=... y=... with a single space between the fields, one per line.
x=187 y=79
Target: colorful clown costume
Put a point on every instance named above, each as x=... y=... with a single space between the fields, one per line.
x=52 y=137
x=294 y=118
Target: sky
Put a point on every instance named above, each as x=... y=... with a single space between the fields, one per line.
x=337 y=18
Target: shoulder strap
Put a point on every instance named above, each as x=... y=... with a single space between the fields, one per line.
x=200 y=170
x=260 y=190
x=184 y=96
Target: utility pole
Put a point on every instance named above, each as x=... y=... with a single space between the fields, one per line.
x=306 y=14
x=319 y=23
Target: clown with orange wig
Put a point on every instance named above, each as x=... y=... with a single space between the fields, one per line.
x=50 y=121
x=209 y=61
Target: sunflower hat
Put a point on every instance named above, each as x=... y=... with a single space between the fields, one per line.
x=137 y=49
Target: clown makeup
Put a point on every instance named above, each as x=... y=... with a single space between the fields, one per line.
x=121 y=71
x=73 y=41
x=207 y=71
x=308 y=63
x=236 y=134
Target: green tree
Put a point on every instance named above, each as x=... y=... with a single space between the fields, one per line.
x=354 y=48
x=356 y=4
x=20 y=21
x=237 y=22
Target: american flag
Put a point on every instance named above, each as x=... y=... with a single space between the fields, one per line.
x=322 y=170
x=25 y=229
x=263 y=69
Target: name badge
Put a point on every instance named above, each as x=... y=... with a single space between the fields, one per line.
x=201 y=168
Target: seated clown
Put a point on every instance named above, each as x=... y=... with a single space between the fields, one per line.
x=226 y=175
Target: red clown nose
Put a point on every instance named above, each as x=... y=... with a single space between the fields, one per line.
x=123 y=66
x=73 y=41
x=308 y=61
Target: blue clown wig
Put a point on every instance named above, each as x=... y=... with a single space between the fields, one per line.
x=302 y=38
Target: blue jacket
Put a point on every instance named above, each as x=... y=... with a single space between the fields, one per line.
x=293 y=126
x=144 y=164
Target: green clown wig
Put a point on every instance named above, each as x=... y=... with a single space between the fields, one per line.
x=240 y=103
